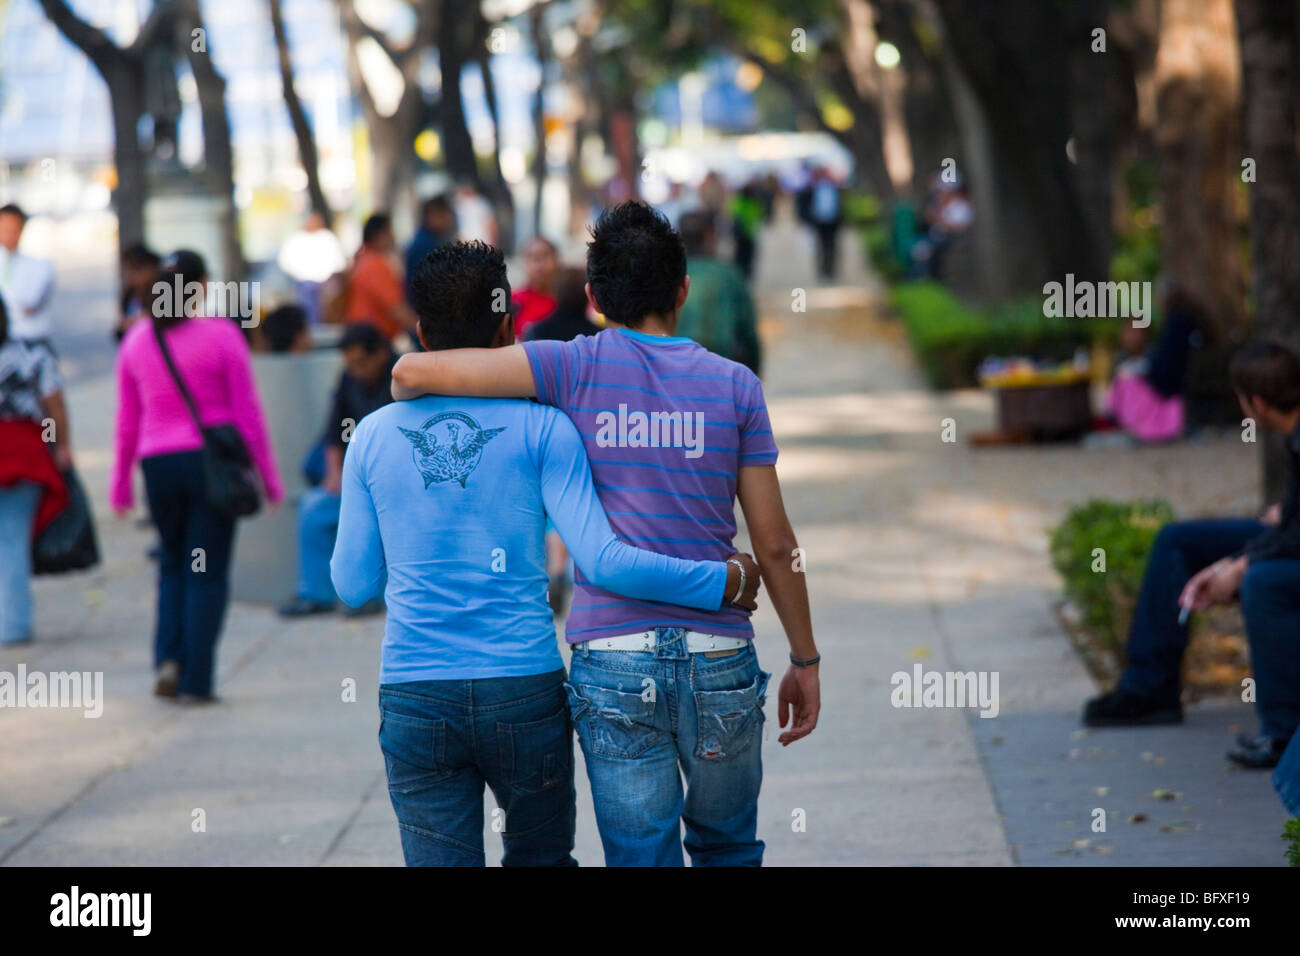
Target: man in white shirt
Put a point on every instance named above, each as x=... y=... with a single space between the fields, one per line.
x=26 y=283
x=311 y=257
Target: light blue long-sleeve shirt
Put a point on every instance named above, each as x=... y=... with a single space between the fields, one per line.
x=444 y=511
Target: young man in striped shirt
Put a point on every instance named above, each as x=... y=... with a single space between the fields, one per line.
x=675 y=434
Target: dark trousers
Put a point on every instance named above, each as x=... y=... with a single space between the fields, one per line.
x=193 y=570
x=1270 y=605
x=443 y=739
x=827 y=248
x=745 y=249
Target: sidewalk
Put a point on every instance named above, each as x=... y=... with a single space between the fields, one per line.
x=917 y=551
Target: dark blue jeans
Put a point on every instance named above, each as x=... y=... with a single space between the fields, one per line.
x=443 y=739
x=1270 y=605
x=193 y=570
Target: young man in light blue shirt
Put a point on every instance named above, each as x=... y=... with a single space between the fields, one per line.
x=444 y=510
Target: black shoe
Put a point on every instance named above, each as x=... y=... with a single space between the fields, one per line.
x=375 y=606
x=1262 y=753
x=302 y=607
x=1120 y=708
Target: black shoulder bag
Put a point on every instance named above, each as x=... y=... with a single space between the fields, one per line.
x=229 y=483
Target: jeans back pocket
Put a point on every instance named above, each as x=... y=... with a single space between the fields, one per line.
x=538 y=754
x=729 y=721
x=415 y=751
x=613 y=723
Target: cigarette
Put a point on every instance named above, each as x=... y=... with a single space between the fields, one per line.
x=1184 y=614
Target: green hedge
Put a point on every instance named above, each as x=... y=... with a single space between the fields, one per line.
x=1125 y=531
x=951 y=339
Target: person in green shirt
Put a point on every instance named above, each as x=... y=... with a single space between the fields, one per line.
x=719 y=313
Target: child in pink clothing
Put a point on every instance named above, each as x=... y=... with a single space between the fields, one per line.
x=154 y=426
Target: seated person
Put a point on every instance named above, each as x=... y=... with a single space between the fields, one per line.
x=1146 y=396
x=1197 y=564
x=284 y=330
x=364 y=386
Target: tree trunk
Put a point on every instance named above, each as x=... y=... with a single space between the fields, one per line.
x=1269 y=34
x=307 y=153
x=503 y=201
x=542 y=49
x=1199 y=151
x=218 y=154
x=1012 y=101
x=456 y=29
x=127 y=98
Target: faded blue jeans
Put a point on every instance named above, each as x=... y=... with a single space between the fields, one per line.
x=645 y=720
x=18 y=504
x=443 y=739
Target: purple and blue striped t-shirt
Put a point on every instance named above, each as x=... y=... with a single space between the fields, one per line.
x=667 y=425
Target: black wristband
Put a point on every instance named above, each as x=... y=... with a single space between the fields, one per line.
x=805 y=663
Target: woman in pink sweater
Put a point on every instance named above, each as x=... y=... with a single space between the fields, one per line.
x=154 y=425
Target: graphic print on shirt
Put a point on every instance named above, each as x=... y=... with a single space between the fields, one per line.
x=448 y=447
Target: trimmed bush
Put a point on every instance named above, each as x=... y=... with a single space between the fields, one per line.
x=951 y=339
x=1125 y=532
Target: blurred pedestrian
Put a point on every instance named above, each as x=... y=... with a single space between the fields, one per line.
x=536 y=300
x=155 y=424
x=475 y=218
x=823 y=208
x=363 y=387
x=746 y=211
x=139 y=270
x=26 y=283
x=437 y=225
x=719 y=313
x=375 y=292
x=32 y=491
x=311 y=257
x=570 y=318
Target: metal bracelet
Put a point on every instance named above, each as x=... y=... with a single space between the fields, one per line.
x=741 y=568
x=805 y=663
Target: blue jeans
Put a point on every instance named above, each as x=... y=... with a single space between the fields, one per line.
x=318 y=525
x=1286 y=778
x=1156 y=640
x=443 y=739
x=18 y=503
x=1270 y=606
x=642 y=715
x=193 y=569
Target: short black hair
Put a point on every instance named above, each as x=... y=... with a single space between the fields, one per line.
x=377 y=223
x=635 y=263
x=138 y=255
x=12 y=209
x=362 y=334
x=460 y=293
x=281 y=326
x=438 y=203
x=1267 y=370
